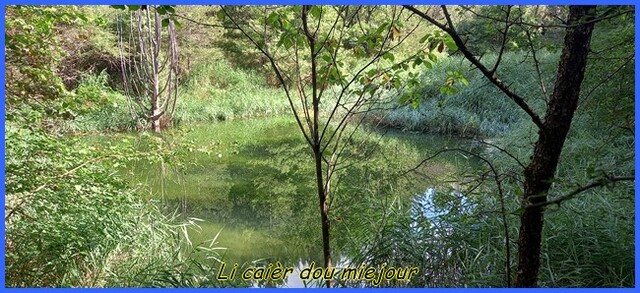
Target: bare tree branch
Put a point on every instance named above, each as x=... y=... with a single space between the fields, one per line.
x=472 y=58
x=276 y=70
x=604 y=16
x=604 y=181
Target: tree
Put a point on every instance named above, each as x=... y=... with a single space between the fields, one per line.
x=540 y=172
x=150 y=68
x=304 y=46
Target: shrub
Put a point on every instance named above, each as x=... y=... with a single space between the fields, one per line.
x=71 y=222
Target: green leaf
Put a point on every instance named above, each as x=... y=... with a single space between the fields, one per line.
x=448 y=90
x=327 y=58
x=165 y=22
x=286 y=25
x=450 y=43
x=417 y=61
x=315 y=11
x=389 y=56
x=288 y=43
x=381 y=28
x=272 y=19
x=425 y=38
x=415 y=104
x=334 y=75
x=220 y=15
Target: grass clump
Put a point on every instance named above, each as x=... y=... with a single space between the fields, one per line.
x=103 y=108
x=218 y=92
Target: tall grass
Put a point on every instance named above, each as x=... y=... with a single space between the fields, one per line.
x=106 y=109
x=211 y=92
x=477 y=109
x=217 y=91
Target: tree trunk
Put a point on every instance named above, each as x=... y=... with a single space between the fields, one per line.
x=324 y=211
x=316 y=144
x=155 y=99
x=540 y=172
x=149 y=68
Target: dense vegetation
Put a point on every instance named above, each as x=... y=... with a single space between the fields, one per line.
x=426 y=161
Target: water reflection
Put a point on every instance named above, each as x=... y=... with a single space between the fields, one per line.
x=294 y=280
x=260 y=194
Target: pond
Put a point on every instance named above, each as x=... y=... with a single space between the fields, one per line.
x=251 y=182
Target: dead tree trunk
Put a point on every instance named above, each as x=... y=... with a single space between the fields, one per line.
x=149 y=64
x=155 y=74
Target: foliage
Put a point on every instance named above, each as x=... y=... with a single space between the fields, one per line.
x=78 y=212
x=90 y=49
x=103 y=108
x=71 y=222
x=32 y=51
x=486 y=30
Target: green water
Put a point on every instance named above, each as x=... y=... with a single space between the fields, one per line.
x=252 y=183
